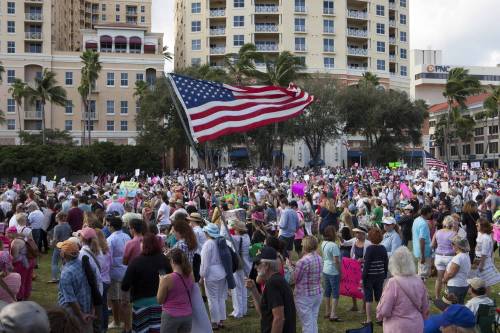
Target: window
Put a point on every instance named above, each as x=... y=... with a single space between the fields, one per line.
x=11 y=124
x=143 y=19
x=239 y=40
x=478 y=131
x=493 y=129
x=196 y=44
x=68 y=108
x=300 y=6
x=103 y=7
x=328 y=26
x=493 y=147
x=137 y=106
x=301 y=61
x=34 y=48
x=196 y=7
x=329 y=62
x=327 y=7
x=11 y=7
x=87 y=127
x=479 y=148
x=110 y=79
x=68 y=78
x=403 y=54
x=11 y=47
x=103 y=17
x=300 y=24
x=328 y=45
x=11 y=27
x=195 y=26
x=117 y=19
x=68 y=125
x=381 y=28
x=402 y=36
x=123 y=79
x=123 y=125
x=143 y=9
x=239 y=3
x=381 y=47
x=402 y=18
x=239 y=21
x=195 y=61
x=380 y=10
x=110 y=107
x=11 y=75
x=453 y=150
x=123 y=107
x=466 y=149
x=381 y=65
x=402 y=3
x=11 y=105
x=139 y=77
x=404 y=71
x=110 y=125
x=300 y=44
x=117 y=7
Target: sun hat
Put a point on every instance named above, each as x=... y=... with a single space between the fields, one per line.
x=389 y=220
x=408 y=207
x=461 y=243
x=360 y=229
x=476 y=283
x=195 y=217
x=212 y=230
x=88 y=233
x=179 y=202
x=68 y=247
x=24 y=317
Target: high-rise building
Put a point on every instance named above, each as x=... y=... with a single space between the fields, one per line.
x=343 y=38
x=37 y=35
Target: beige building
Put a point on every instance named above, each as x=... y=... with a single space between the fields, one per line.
x=342 y=38
x=41 y=35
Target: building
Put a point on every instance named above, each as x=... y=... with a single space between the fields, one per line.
x=342 y=39
x=428 y=76
x=41 y=35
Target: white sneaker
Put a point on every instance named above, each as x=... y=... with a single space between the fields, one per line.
x=113 y=325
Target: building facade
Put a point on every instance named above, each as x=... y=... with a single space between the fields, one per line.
x=43 y=35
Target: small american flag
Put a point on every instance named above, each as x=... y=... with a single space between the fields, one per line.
x=432 y=162
x=215 y=109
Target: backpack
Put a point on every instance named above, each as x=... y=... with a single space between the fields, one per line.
x=31 y=247
x=235 y=260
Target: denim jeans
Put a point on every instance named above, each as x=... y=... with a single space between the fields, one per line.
x=56 y=256
x=460 y=292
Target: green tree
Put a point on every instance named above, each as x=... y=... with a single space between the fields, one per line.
x=18 y=92
x=241 y=65
x=46 y=90
x=140 y=89
x=90 y=73
x=370 y=78
x=492 y=105
x=205 y=72
x=2 y=70
x=51 y=137
x=459 y=86
x=167 y=55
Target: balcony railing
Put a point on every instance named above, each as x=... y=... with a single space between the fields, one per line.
x=132 y=12
x=266 y=9
x=357 y=69
x=392 y=23
x=392 y=57
x=392 y=40
x=328 y=49
x=357 y=14
x=328 y=11
x=328 y=30
x=32 y=114
x=266 y=27
x=218 y=50
x=356 y=51
x=300 y=28
x=93 y=115
x=217 y=12
x=40 y=1
x=266 y=47
x=217 y=31
x=34 y=16
x=357 y=33
x=300 y=9
x=392 y=5
x=33 y=35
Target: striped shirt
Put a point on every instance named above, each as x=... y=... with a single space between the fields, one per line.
x=307 y=275
x=376 y=262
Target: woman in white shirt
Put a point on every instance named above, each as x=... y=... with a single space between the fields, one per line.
x=195 y=220
x=458 y=269
x=486 y=269
x=239 y=294
x=213 y=276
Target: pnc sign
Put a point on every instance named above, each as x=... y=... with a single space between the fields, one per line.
x=438 y=69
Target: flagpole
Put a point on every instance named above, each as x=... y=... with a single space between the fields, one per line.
x=192 y=143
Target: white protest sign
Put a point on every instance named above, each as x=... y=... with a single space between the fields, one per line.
x=43 y=179
x=475 y=165
x=428 y=186
x=137 y=172
x=465 y=166
x=444 y=187
x=50 y=185
x=306 y=178
x=115 y=179
x=63 y=180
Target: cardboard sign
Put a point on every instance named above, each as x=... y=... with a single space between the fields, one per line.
x=444 y=187
x=350 y=283
x=235 y=215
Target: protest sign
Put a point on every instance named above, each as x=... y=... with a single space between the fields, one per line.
x=465 y=166
x=115 y=179
x=350 y=283
x=444 y=187
x=428 y=186
x=475 y=165
x=137 y=172
x=128 y=189
x=43 y=179
x=405 y=190
x=34 y=180
x=298 y=189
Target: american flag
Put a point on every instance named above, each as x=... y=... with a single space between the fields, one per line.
x=432 y=162
x=215 y=109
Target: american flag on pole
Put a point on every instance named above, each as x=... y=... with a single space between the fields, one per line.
x=215 y=109
x=432 y=162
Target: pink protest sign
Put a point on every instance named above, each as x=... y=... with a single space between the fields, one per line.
x=405 y=190
x=298 y=189
x=350 y=284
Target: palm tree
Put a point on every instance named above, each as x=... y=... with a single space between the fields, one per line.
x=459 y=86
x=167 y=55
x=464 y=128
x=46 y=90
x=90 y=74
x=18 y=92
x=492 y=105
x=242 y=64
x=2 y=70
x=369 y=77
x=141 y=87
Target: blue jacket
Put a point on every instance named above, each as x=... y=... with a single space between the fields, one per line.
x=225 y=258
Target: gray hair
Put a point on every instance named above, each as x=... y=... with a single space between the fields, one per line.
x=402 y=263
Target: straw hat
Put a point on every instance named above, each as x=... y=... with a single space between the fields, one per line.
x=195 y=217
x=461 y=243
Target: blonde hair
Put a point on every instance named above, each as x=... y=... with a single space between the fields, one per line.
x=448 y=222
x=21 y=217
x=330 y=205
x=401 y=263
x=101 y=239
x=310 y=244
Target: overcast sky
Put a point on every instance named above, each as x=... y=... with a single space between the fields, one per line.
x=468 y=31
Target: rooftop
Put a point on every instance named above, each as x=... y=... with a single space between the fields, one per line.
x=472 y=100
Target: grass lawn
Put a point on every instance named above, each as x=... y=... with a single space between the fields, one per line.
x=46 y=295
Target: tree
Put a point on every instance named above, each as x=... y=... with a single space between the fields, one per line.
x=90 y=73
x=241 y=65
x=370 y=78
x=2 y=70
x=321 y=122
x=492 y=105
x=46 y=90
x=459 y=86
x=18 y=92
x=167 y=55
x=204 y=72
x=52 y=136
x=140 y=89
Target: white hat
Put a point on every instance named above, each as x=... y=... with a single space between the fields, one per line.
x=476 y=283
x=389 y=220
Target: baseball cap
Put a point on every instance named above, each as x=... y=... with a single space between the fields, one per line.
x=24 y=317
x=88 y=233
x=476 y=283
x=389 y=220
x=266 y=253
x=68 y=246
x=455 y=314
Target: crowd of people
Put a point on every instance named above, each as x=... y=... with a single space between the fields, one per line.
x=167 y=254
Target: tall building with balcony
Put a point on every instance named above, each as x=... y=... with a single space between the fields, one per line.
x=341 y=38
x=41 y=35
